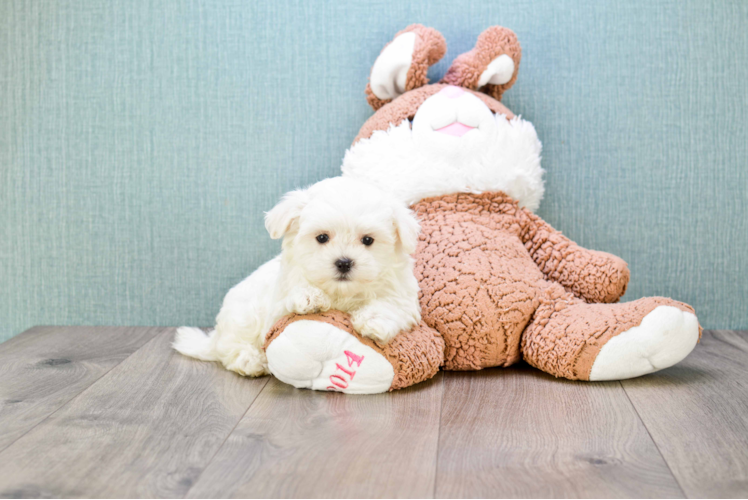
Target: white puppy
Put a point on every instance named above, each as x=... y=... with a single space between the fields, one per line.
x=346 y=246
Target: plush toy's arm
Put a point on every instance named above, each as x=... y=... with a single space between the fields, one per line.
x=594 y=276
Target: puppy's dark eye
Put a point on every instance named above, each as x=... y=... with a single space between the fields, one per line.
x=367 y=240
x=323 y=238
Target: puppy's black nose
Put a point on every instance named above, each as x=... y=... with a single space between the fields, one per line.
x=344 y=264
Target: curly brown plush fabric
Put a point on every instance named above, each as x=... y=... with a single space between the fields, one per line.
x=489 y=270
x=592 y=275
x=468 y=67
x=415 y=355
x=429 y=47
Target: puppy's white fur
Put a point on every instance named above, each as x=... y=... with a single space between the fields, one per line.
x=380 y=291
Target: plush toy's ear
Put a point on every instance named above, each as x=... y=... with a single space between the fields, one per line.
x=285 y=214
x=406 y=227
x=491 y=66
x=404 y=63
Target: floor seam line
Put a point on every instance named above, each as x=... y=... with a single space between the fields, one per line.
x=439 y=436
x=227 y=437
x=63 y=405
x=657 y=447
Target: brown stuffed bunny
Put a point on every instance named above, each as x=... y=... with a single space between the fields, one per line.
x=498 y=284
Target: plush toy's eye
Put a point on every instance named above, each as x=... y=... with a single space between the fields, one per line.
x=367 y=240
x=323 y=238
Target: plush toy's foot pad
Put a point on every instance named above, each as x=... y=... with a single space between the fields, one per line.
x=321 y=356
x=580 y=341
x=323 y=352
x=665 y=337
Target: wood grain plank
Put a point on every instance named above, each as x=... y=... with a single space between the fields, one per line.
x=145 y=429
x=518 y=432
x=300 y=443
x=697 y=414
x=46 y=366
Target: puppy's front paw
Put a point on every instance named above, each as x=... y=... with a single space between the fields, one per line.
x=376 y=323
x=307 y=300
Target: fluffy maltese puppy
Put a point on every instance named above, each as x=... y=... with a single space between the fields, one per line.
x=347 y=245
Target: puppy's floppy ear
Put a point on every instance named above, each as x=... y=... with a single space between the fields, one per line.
x=406 y=227
x=404 y=63
x=279 y=220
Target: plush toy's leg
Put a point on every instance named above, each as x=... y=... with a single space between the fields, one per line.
x=323 y=352
x=579 y=341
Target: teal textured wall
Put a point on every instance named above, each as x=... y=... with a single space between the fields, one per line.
x=140 y=141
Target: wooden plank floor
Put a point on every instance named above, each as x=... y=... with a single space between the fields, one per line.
x=114 y=412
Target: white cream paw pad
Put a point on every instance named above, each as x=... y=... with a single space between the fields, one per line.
x=317 y=355
x=665 y=336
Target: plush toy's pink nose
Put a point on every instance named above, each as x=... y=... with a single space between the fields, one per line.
x=451 y=92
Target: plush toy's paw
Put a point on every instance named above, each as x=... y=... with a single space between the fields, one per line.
x=377 y=322
x=307 y=300
x=249 y=361
x=316 y=355
x=665 y=336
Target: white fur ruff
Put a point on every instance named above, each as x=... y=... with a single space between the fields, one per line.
x=508 y=160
